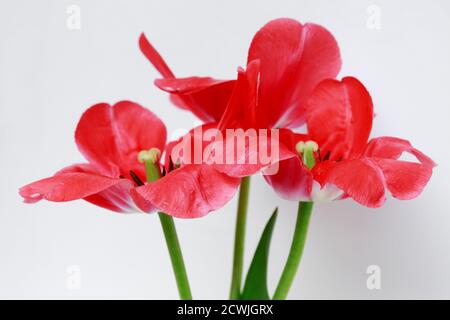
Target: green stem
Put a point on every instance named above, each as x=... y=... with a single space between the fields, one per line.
x=179 y=269
x=296 y=251
x=239 y=239
x=173 y=245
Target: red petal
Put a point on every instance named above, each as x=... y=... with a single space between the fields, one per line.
x=405 y=180
x=360 y=179
x=187 y=85
x=294 y=59
x=252 y=151
x=290 y=178
x=66 y=187
x=339 y=117
x=110 y=137
x=81 y=181
x=190 y=148
x=242 y=109
x=118 y=198
x=191 y=191
x=154 y=57
x=205 y=97
x=393 y=148
x=293 y=181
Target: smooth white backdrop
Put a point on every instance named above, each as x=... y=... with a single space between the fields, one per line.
x=50 y=74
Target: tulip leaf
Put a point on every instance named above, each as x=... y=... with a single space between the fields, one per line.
x=255 y=287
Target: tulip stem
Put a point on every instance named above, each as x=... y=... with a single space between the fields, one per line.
x=296 y=251
x=239 y=239
x=153 y=173
x=176 y=256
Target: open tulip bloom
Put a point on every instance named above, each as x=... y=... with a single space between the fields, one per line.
x=289 y=82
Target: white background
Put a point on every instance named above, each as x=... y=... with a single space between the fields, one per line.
x=50 y=74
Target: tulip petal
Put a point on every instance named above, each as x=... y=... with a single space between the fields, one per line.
x=66 y=187
x=81 y=181
x=191 y=191
x=205 y=97
x=154 y=57
x=110 y=137
x=293 y=181
x=339 y=117
x=191 y=148
x=242 y=110
x=188 y=85
x=361 y=179
x=294 y=59
x=118 y=198
x=405 y=180
x=393 y=148
x=248 y=152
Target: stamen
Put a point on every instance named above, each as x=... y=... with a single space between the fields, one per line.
x=150 y=159
x=151 y=155
x=308 y=145
x=306 y=151
x=136 y=179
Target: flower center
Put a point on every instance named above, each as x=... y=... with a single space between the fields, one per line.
x=306 y=151
x=151 y=155
x=150 y=158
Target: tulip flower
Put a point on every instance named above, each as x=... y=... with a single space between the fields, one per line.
x=339 y=120
x=123 y=145
x=293 y=59
x=335 y=161
x=110 y=138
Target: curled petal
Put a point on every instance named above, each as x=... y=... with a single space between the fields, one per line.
x=294 y=59
x=405 y=180
x=339 y=117
x=205 y=97
x=66 y=187
x=361 y=179
x=110 y=137
x=191 y=191
x=393 y=148
x=82 y=181
x=154 y=57
x=188 y=85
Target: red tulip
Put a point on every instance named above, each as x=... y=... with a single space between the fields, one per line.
x=293 y=59
x=339 y=119
x=110 y=138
